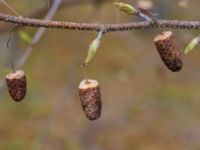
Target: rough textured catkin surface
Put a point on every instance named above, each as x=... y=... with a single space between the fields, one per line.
x=169 y=50
x=16 y=83
x=90 y=96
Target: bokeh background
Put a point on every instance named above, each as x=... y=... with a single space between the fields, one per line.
x=145 y=106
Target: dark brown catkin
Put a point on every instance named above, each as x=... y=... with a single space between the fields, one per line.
x=16 y=83
x=90 y=96
x=169 y=50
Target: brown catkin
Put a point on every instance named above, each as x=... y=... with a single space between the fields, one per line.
x=90 y=96
x=169 y=50
x=16 y=83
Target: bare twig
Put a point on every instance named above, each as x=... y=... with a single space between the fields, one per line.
x=174 y=24
x=38 y=34
x=40 y=12
x=12 y=9
x=36 y=38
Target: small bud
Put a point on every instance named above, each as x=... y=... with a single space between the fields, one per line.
x=92 y=50
x=25 y=37
x=16 y=83
x=192 y=44
x=90 y=96
x=169 y=50
x=127 y=8
x=94 y=45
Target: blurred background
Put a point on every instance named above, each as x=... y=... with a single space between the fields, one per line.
x=145 y=106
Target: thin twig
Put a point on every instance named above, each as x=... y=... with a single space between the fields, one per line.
x=174 y=24
x=12 y=9
x=48 y=4
x=36 y=38
x=9 y=51
x=40 y=12
x=38 y=34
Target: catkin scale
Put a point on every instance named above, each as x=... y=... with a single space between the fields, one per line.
x=17 y=84
x=169 y=51
x=90 y=96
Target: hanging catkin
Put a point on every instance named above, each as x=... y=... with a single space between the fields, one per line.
x=169 y=50
x=90 y=96
x=16 y=83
